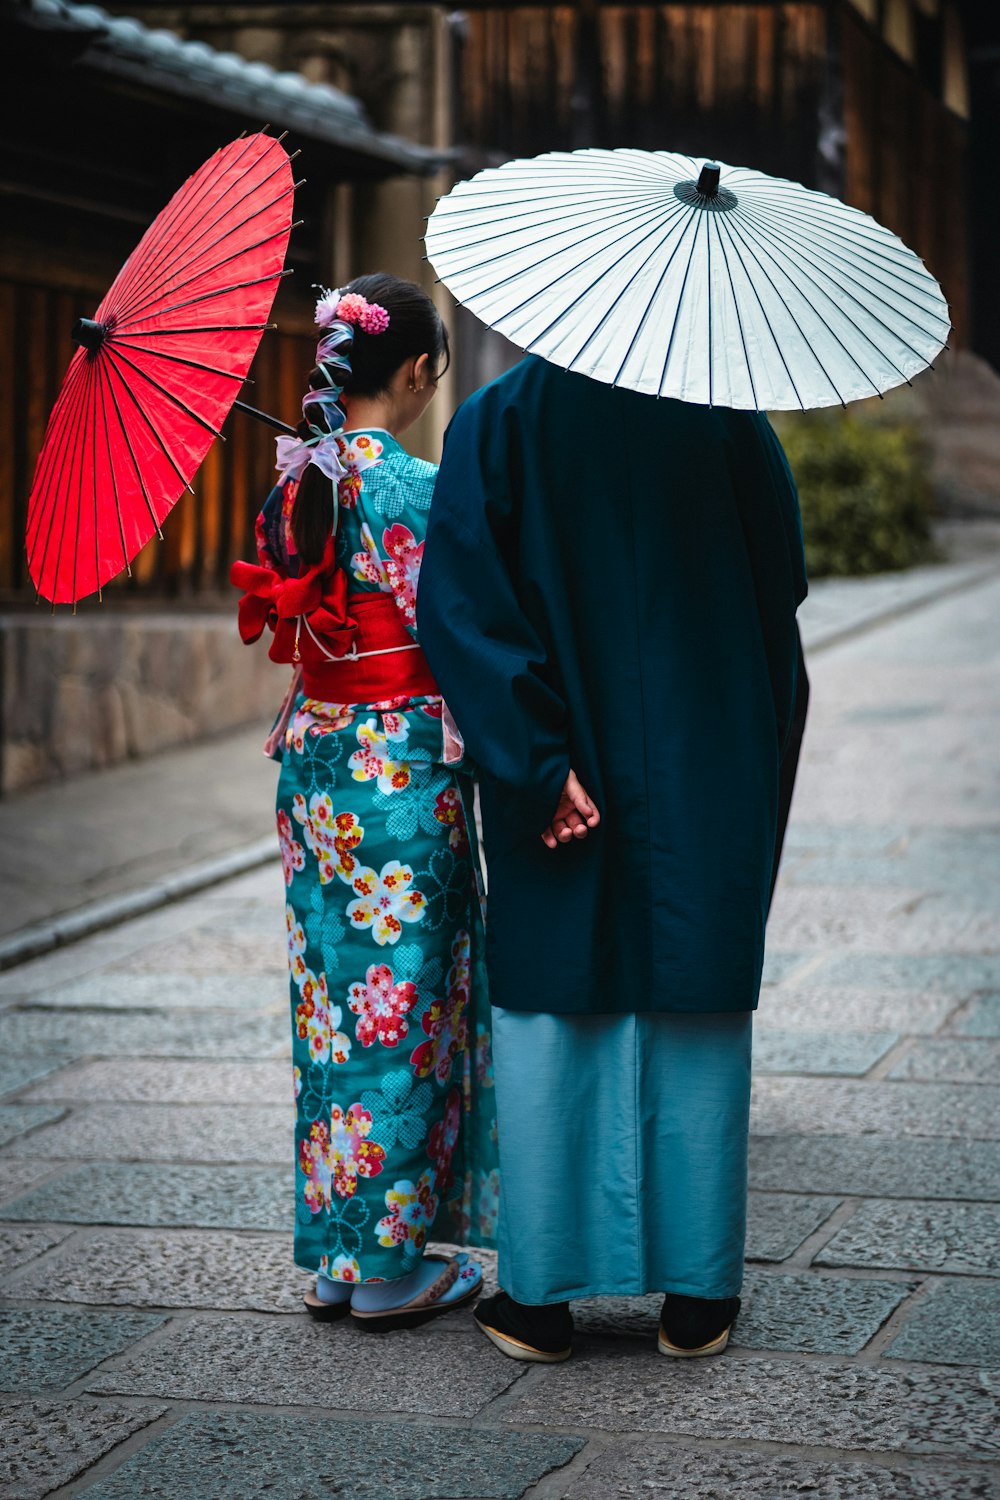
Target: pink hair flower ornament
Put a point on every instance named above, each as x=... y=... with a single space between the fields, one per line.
x=374 y=318
x=351 y=308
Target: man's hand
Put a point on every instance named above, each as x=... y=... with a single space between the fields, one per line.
x=575 y=816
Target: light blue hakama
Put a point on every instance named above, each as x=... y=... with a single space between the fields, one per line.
x=623 y=1153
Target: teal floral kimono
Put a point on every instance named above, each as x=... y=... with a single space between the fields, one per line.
x=395 y=1140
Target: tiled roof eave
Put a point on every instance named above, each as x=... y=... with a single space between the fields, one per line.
x=280 y=113
x=124 y=48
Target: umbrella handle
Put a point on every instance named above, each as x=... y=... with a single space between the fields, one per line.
x=263 y=416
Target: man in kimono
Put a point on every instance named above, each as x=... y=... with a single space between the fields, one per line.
x=610 y=614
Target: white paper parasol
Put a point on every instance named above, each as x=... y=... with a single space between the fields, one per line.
x=683 y=277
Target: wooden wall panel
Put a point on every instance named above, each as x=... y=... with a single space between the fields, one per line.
x=746 y=82
x=905 y=160
x=740 y=80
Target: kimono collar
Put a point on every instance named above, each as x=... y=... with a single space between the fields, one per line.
x=367 y=440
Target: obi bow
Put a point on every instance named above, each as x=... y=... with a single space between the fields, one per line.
x=308 y=614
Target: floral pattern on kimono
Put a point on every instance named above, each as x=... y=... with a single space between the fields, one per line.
x=395 y=1119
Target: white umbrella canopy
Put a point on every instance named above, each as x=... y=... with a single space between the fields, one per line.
x=679 y=276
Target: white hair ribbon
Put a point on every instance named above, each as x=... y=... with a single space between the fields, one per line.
x=296 y=454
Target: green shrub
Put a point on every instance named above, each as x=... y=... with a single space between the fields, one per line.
x=864 y=488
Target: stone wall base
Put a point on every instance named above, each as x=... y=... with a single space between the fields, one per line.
x=80 y=694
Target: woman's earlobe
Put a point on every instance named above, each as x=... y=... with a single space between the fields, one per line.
x=421 y=368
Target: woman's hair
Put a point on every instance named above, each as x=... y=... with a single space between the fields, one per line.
x=415 y=328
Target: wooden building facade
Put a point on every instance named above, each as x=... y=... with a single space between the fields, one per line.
x=862 y=98
x=867 y=101
x=118 y=116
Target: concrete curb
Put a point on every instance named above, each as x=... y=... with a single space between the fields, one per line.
x=831 y=635
x=94 y=916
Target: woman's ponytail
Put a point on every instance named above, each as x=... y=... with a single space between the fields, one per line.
x=312 y=509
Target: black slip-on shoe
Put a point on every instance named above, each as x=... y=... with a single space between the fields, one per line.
x=538 y=1335
x=691 y=1327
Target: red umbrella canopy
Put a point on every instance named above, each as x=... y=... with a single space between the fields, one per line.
x=159 y=367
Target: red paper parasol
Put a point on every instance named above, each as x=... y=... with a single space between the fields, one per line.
x=159 y=368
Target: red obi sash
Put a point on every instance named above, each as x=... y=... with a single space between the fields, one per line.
x=353 y=648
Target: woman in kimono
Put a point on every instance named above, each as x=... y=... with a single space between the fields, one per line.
x=610 y=587
x=390 y=1039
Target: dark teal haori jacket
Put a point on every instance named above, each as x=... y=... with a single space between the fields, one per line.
x=610 y=583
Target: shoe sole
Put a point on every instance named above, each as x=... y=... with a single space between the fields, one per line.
x=674 y=1351
x=515 y=1349
x=389 y=1322
x=326 y=1312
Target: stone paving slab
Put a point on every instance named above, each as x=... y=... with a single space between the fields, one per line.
x=19 y=1246
x=54 y=1349
x=848 y=839
x=46 y=1444
x=625 y=1472
x=17 y=1119
x=982 y=1018
x=812 y=1008
x=51 y=970
x=17 y=1072
x=254 y=1034
x=257 y=949
x=162 y=1197
x=876 y=1166
x=120 y=943
x=820 y=918
x=806 y=1313
x=814 y=1315
x=960 y=974
x=153 y=1132
x=778 y=964
x=836 y=1405
x=957 y=1322
x=951 y=1061
x=163 y=1082
x=912 y=865
x=163 y=991
x=168 y=1269
x=296 y=1362
x=251 y=886
x=195 y=1459
x=849 y=1054
x=961 y=1238
x=777 y=1223
x=16 y=1177
x=870 y=919
x=803 y=1106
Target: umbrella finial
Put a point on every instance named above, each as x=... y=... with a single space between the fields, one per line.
x=708 y=179
x=89 y=334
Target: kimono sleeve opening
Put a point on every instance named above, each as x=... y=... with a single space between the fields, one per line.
x=486 y=655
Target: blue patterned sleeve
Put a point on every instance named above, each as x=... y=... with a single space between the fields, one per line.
x=396 y=503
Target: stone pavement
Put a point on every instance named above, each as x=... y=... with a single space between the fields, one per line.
x=152 y=1344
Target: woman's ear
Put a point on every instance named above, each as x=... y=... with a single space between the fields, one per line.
x=421 y=372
